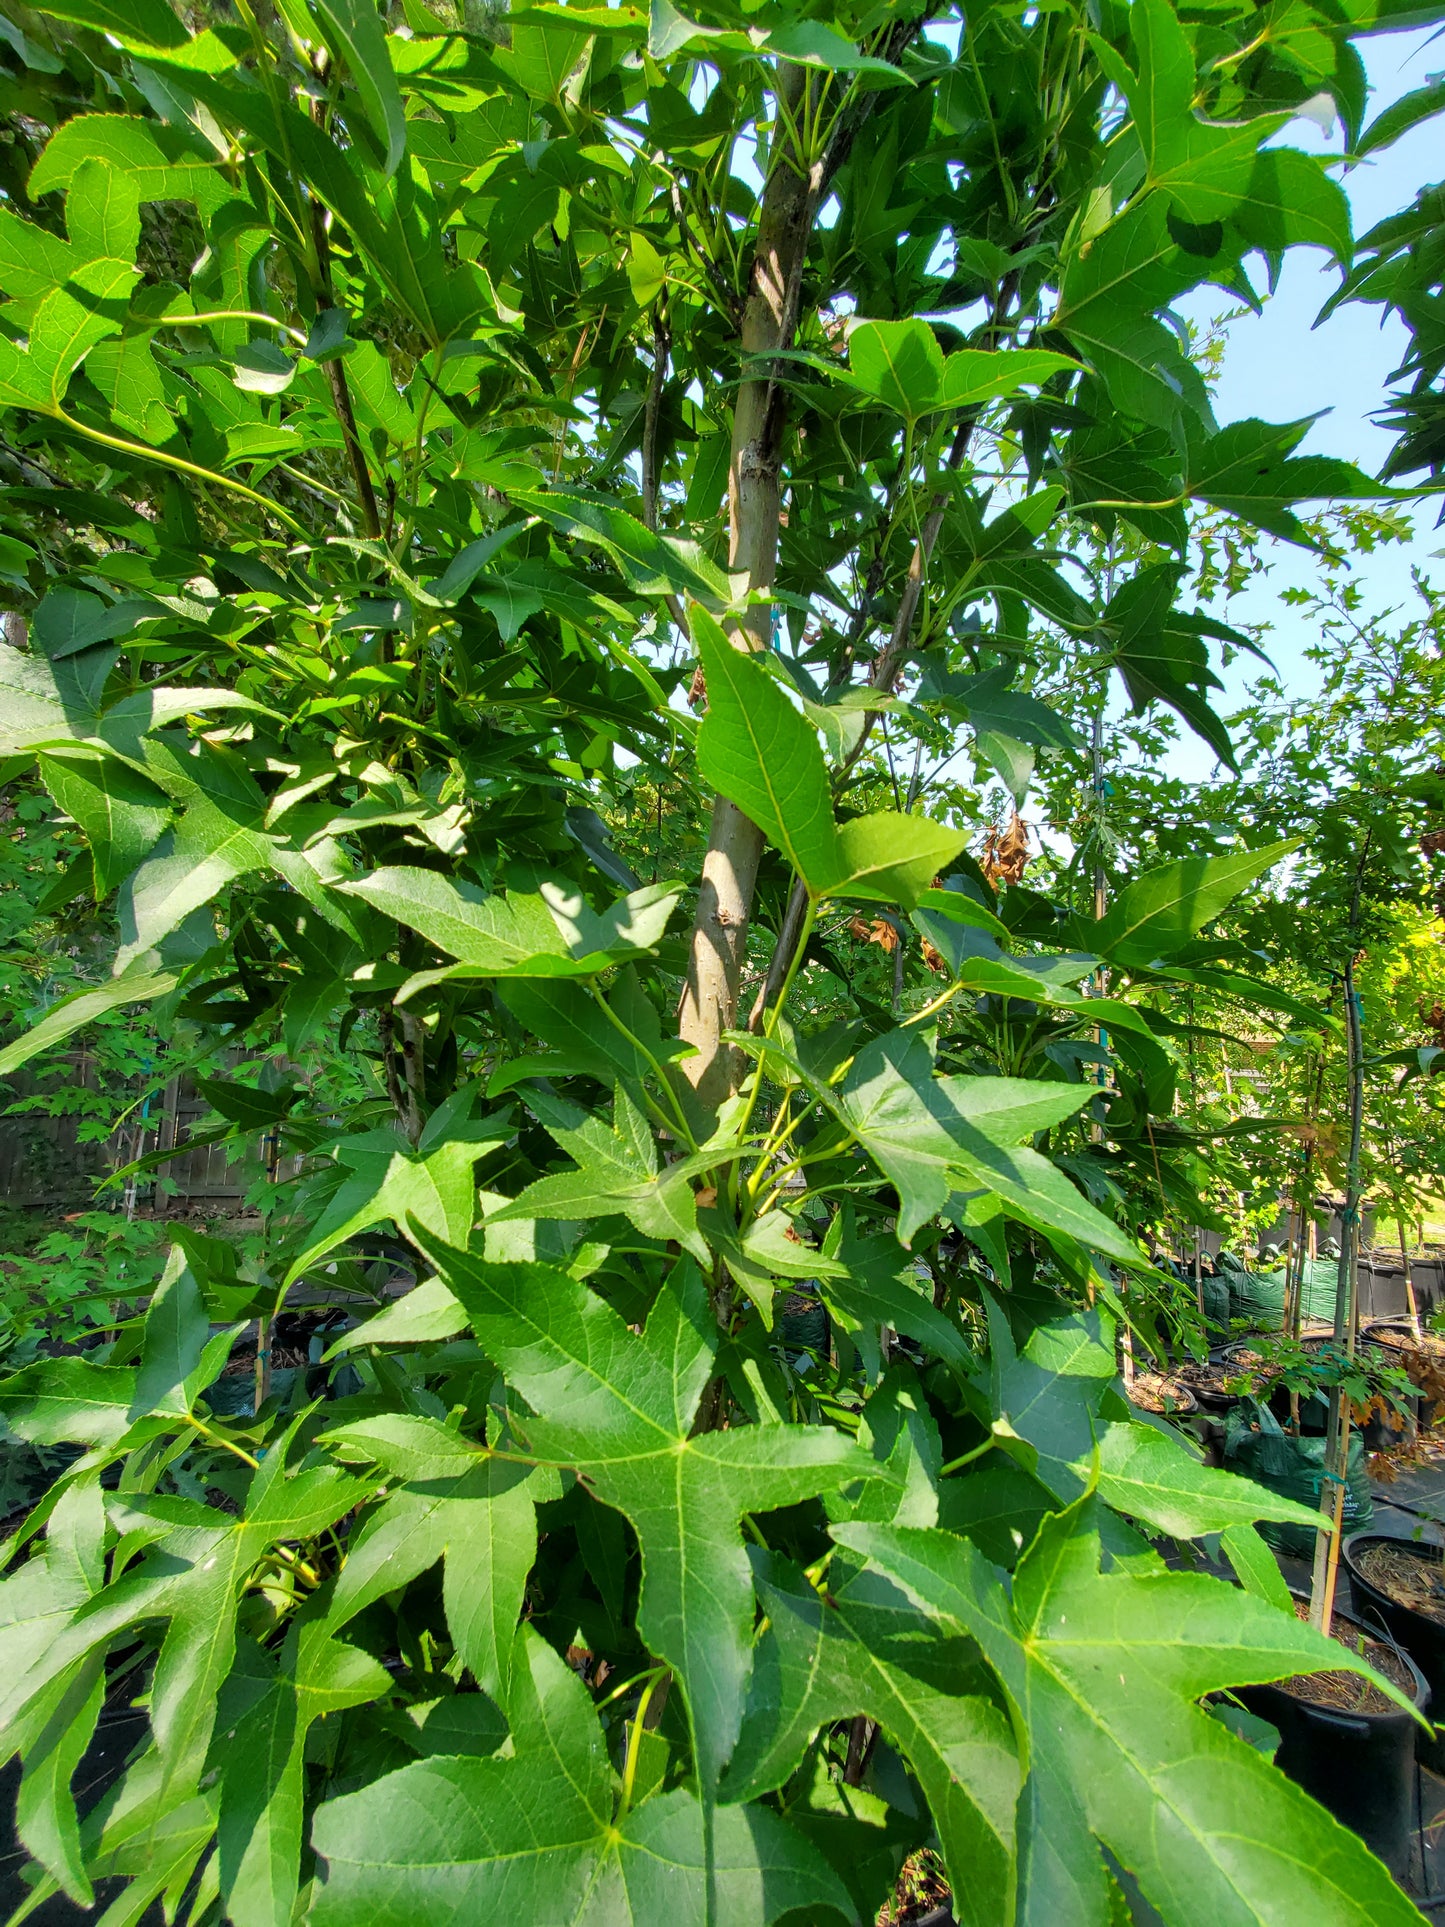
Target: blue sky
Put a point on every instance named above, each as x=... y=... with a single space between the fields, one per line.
x=1279 y=366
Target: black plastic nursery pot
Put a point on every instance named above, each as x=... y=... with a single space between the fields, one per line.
x=1422 y=1637
x=1208 y=1399
x=1314 y=1414
x=1359 y=1765
x=1204 y=1382
x=1162 y=1394
x=1397 y=1334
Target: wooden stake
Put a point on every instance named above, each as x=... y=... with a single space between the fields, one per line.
x=1410 y=1298
x=263 y=1361
x=272 y=1149
x=1332 y=1486
x=1327 y=1544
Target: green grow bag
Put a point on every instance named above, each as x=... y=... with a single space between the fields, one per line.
x=1217 y=1308
x=803 y=1323
x=1256 y=1297
x=1295 y=1468
x=1318 y=1287
x=235 y=1396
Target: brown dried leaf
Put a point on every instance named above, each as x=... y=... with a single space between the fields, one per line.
x=1006 y=852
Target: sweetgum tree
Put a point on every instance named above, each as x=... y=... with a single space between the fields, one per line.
x=403 y=417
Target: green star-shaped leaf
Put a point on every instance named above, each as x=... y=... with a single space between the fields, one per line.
x=1103 y=1674
x=620 y=1409
x=536 y=1838
x=857 y=1645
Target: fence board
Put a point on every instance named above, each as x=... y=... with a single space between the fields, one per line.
x=44 y=1164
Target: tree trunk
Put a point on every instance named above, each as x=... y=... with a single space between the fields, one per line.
x=794 y=191
x=720 y=928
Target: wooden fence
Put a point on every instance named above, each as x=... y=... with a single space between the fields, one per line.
x=46 y=1165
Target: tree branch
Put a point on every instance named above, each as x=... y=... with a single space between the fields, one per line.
x=888 y=663
x=413 y=1065
x=340 y=391
x=885 y=671
x=661 y=348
